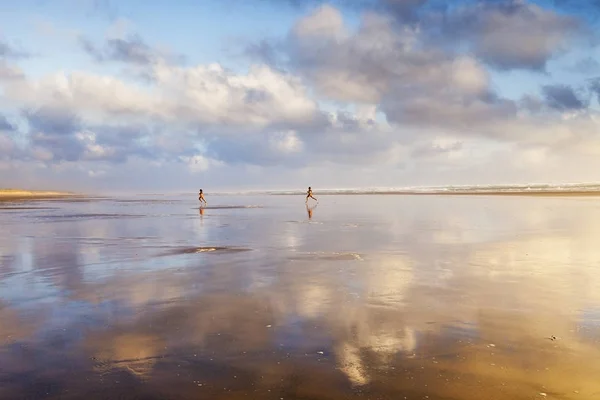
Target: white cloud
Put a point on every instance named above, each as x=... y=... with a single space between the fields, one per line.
x=202 y=95
x=413 y=81
x=199 y=163
x=286 y=142
x=212 y=95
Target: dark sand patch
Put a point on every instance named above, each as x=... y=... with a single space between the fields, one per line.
x=205 y=249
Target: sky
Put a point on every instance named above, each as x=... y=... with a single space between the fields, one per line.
x=107 y=96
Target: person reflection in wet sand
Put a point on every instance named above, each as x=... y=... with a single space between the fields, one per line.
x=201 y=212
x=309 y=210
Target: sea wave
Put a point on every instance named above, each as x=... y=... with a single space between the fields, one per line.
x=570 y=188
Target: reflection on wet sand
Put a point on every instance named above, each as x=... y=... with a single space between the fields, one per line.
x=492 y=300
x=310 y=210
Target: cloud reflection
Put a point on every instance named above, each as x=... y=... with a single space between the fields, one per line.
x=412 y=314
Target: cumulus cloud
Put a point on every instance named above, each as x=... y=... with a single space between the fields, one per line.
x=201 y=95
x=413 y=83
x=212 y=95
x=512 y=33
x=506 y=34
x=264 y=117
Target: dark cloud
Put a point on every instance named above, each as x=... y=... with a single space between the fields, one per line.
x=112 y=144
x=586 y=65
x=449 y=112
x=56 y=148
x=403 y=10
x=265 y=51
x=563 y=98
x=506 y=34
x=594 y=86
x=357 y=68
x=54 y=121
x=90 y=48
x=413 y=83
x=51 y=132
x=131 y=50
x=257 y=96
x=60 y=135
x=422 y=76
x=509 y=34
x=5 y=125
x=9 y=51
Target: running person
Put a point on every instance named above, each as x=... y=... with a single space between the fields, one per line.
x=201 y=198
x=309 y=194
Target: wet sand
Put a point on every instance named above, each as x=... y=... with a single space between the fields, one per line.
x=371 y=297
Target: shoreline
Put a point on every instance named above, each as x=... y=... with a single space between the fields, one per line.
x=556 y=193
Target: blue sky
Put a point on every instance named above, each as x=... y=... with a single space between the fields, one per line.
x=127 y=96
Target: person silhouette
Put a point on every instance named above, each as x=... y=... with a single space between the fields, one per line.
x=309 y=194
x=201 y=198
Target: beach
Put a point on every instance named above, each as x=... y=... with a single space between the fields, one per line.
x=258 y=296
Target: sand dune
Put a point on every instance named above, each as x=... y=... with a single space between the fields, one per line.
x=11 y=194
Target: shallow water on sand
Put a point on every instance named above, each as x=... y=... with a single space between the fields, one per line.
x=375 y=297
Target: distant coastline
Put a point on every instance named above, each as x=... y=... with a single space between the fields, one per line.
x=548 y=193
x=22 y=194
x=572 y=189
